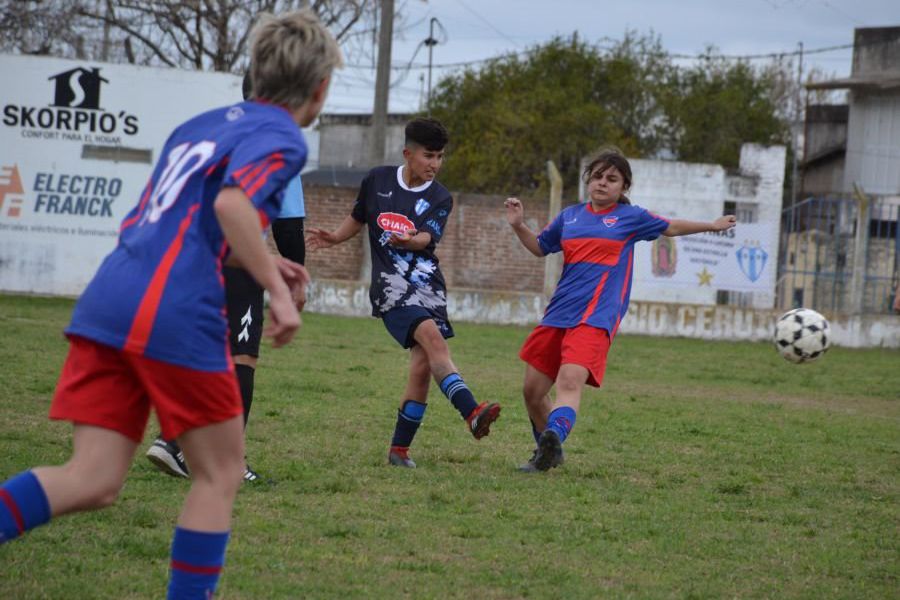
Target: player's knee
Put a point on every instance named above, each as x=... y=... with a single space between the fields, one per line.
x=569 y=382
x=99 y=494
x=225 y=474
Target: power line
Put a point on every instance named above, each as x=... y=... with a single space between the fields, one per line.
x=488 y=23
x=466 y=63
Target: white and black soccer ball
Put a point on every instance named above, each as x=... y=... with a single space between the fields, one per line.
x=802 y=335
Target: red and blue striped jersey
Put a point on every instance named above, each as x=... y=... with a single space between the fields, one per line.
x=598 y=252
x=160 y=293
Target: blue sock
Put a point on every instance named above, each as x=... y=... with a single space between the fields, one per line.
x=409 y=417
x=561 y=420
x=23 y=506
x=535 y=432
x=459 y=394
x=197 y=559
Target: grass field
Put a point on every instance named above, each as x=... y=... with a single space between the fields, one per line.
x=700 y=470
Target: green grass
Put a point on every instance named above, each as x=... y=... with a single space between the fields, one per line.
x=700 y=470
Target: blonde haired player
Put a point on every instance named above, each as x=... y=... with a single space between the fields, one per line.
x=150 y=331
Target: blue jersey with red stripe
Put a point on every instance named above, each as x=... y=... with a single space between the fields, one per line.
x=598 y=251
x=160 y=293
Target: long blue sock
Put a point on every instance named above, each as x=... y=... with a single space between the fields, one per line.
x=459 y=394
x=197 y=560
x=535 y=432
x=409 y=417
x=23 y=506
x=561 y=420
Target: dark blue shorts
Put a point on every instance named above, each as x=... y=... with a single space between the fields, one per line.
x=401 y=323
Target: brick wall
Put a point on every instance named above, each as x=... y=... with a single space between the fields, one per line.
x=326 y=207
x=478 y=250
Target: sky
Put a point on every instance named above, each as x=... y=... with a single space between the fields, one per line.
x=474 y=30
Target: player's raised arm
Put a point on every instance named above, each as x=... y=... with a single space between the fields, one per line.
x=318 y=239
x=515 y=216
x=681 y=227
x=240 y=224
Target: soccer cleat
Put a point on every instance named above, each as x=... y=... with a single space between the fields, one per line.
x=529 y=467
x=250 y=475
x=549 y=451
x=399 y=457
x=481 y=419
x=168 y=458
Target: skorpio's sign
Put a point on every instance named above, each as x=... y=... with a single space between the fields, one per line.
x=77 y=143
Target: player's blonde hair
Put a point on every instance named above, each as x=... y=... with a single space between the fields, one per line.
x=290 y=55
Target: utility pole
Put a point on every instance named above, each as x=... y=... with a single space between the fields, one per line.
x=431 y=43
x=796 y=129
x=382 y=83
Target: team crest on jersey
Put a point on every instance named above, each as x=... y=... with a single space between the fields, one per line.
x=422 y=205
x=610 y=221
x=392 y=222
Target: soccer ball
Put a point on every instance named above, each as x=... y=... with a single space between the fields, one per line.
x=802 y=335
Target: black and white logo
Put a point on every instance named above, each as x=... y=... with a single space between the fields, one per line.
x=78 y=88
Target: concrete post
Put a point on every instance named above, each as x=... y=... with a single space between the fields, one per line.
x=860 y=247
x=553 y=263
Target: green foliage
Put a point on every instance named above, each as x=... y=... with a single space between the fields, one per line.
x=717 y=105
x=567 y=98
x=700 y=470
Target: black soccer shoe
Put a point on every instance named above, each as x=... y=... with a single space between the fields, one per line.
x=529 y=466
x=549 y=451
x=251 y=476
x=168 y=458
x=481 y=419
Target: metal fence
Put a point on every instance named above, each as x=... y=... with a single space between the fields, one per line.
x=840 y=255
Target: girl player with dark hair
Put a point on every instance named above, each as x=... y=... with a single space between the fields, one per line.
x=569 y=347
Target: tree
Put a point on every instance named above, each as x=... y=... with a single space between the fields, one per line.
x=565 y=99
x=561 y=101
x=207 y=35
x=717 y=105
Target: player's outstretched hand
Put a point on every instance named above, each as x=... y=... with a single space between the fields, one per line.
x=296 y=277
x=515 y=212
x=725 y=223
x=284 y=320
x=402 y=240
x=318 y=239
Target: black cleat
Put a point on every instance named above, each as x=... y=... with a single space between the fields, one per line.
x=251 y=476
x=481 y=419
x=529 y=466
x=399 y=457
x=549 y=451
x=168 y=458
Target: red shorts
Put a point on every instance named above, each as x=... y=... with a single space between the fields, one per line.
x=547 y=348
x=100 y=385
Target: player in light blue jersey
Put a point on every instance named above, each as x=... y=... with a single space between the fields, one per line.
x=569 y=347
x=150 y=329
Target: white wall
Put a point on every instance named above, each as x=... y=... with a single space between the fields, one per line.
x=698 y=192
x=646 y=318
x=873 y=143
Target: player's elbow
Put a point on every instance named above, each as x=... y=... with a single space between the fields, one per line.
x=227 y=200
